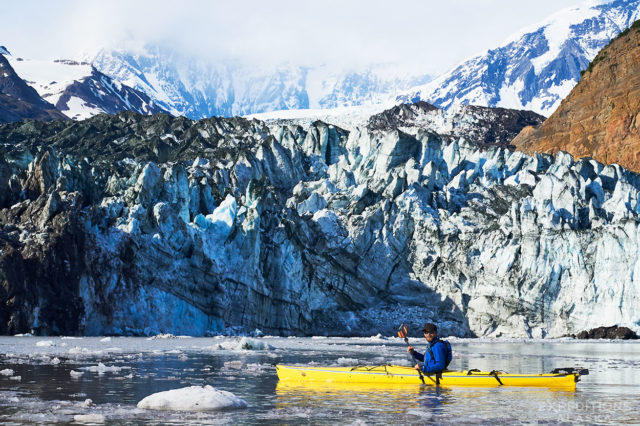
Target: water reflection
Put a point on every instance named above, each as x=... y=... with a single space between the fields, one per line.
x=388 y=400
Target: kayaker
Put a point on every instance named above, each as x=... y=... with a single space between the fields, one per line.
x=439 y=351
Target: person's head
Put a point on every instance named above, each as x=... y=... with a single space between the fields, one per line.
x=430 y=331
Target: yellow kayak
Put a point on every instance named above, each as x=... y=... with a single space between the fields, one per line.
x=397 y=375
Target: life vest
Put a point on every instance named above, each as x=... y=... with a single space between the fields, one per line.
x=449 y=352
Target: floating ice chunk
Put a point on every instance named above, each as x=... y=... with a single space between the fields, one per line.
x=347 y=361
x=247 y=344
x=79 y=350
x=162 y=336
x=87 y=403
x=237 y=365
x=400 y=361
x=89 y=418
x=101 y=368
x=106 y=339
x=45 y=343
x=16 y=378
x=192 y=398
x=256 y=368
x=76 y=374
x=55 y=361
x=6 y=372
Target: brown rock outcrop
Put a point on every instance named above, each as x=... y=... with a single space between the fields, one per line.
x=613 y=332
x=601 y=116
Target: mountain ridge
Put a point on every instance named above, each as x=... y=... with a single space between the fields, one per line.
x=599 y=118
x=18 y=100
x=78 y=90
x=537 y=69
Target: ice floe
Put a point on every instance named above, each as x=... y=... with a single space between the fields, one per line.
x=101 y=368
x=89 y=418
x=192 y=398
x=75 y=374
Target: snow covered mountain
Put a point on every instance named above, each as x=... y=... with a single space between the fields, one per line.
x=184 y=85
x=80 y=91
x=19 y=101
x=536 y=69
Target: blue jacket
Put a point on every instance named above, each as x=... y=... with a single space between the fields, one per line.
x=436 y=364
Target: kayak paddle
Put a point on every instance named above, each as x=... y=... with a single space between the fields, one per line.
x=402 y=333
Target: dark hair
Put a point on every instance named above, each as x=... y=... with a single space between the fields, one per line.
x=429 y=327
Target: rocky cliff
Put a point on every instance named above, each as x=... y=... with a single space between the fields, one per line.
x=483 y=125
x=129 y=224
x=599 y=118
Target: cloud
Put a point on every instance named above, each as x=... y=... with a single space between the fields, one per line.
x=427 y=35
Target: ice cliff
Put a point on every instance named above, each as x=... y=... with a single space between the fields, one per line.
x=136 y=225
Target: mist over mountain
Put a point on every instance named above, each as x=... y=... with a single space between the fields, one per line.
x=189 y=86
x=532 y=71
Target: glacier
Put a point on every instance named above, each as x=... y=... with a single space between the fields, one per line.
x=150 y=225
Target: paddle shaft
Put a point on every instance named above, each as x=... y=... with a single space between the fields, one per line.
x=406 y=340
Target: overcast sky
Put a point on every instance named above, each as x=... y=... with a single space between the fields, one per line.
x=431 y=35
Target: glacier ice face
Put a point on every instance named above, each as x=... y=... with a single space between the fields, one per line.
x=317 y=231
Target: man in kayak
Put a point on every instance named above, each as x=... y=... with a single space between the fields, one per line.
x=438 y=352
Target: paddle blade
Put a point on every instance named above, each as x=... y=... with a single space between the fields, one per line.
x=403 y=331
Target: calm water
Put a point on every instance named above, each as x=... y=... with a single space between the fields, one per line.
x=47 y=393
